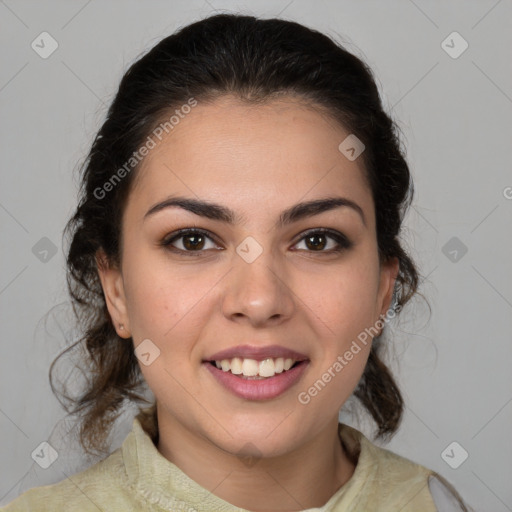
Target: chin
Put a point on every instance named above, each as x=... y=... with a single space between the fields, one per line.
x=257 y=437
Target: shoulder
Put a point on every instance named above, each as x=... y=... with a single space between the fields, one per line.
x=445 y=497
x=390 y=481
x=99 y=487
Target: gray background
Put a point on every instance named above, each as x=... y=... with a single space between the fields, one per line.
x=455 y=114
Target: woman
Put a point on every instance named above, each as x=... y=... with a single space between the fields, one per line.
x=236 y=249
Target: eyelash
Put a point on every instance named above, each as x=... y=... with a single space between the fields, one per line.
x=342 y=241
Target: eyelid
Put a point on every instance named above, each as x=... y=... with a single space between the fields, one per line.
x=324 y=231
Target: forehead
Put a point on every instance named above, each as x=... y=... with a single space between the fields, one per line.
x=251 y=155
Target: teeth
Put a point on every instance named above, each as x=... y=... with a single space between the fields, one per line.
x=236 y=366
x=252 y=368
x=288 y=363
x=267 y=368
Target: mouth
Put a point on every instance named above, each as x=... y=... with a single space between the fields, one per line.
x=256 y=377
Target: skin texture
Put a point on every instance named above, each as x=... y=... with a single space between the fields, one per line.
x=258 y=161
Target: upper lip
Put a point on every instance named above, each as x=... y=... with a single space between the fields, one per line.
x=257 y=353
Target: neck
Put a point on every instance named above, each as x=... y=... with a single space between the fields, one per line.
x=304 y=478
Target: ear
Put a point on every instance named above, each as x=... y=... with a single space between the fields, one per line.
x=113 y=289
x=388 y=274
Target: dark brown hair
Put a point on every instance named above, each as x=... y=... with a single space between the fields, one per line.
x=255 y=60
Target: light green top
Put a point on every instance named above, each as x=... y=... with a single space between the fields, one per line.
x=136 y=477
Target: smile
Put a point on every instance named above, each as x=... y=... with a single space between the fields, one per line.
x=246 y=367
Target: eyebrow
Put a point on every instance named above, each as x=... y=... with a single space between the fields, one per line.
x=221 y=213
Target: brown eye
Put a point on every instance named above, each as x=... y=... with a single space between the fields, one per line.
x=317 y=241
x=189 y=240
x=192 y=242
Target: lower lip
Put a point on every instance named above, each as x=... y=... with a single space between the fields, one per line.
x=258 y=389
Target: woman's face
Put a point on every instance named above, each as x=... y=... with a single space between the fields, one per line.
x=253 y=283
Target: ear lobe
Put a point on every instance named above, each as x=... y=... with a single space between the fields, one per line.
x=113 y=290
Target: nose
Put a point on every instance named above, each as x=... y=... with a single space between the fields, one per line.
x=258 y=293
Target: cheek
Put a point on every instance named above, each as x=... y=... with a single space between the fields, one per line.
x=343 y=305
x=163 y=300
x=343 y=299
x=343 y=308
x=168 y=308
